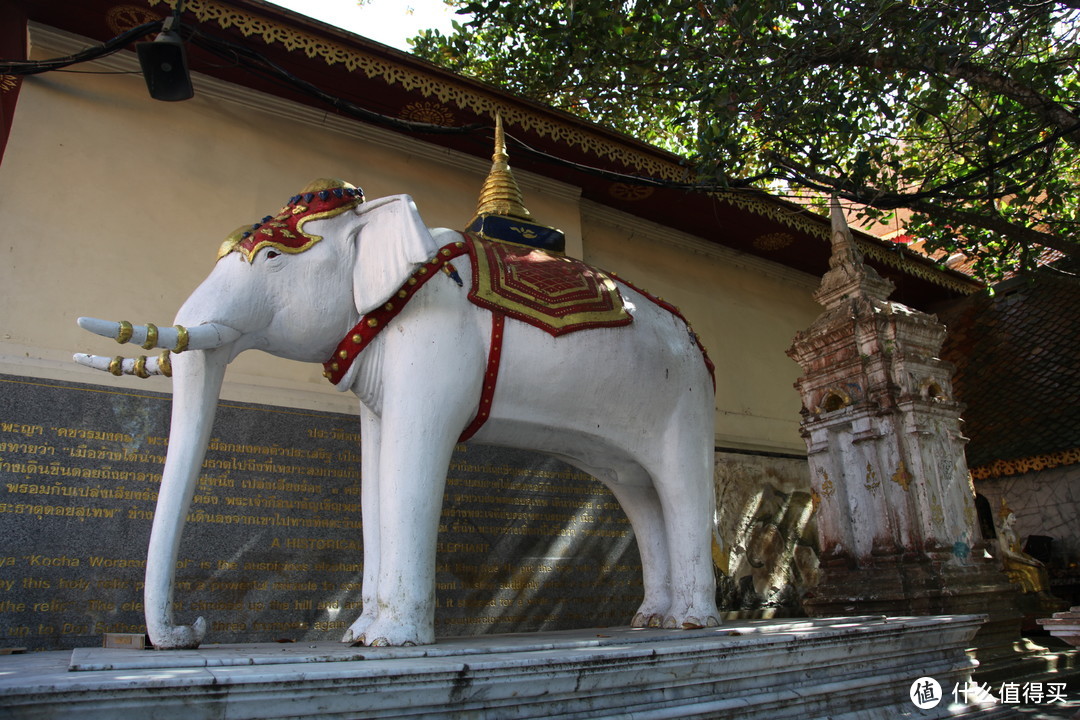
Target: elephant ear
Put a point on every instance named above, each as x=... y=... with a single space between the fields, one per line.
x=392 y=241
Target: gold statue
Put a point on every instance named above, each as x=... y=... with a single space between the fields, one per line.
x=1023 y=570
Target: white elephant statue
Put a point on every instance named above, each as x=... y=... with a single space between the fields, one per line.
x=631 y=405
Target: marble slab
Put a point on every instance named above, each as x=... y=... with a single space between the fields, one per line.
x=845 y=667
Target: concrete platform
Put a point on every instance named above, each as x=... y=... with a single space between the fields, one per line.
x=836 y=668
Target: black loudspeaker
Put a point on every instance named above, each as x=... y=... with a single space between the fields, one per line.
x=164 y=65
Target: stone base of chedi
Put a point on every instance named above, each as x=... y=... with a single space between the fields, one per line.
x=1064 y=625
x=847 y=667
x=934 y=586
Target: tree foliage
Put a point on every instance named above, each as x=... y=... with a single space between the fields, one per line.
x=963 y=115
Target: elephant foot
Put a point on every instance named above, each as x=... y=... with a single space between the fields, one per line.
x=690 y=623
x=178 y=637
x=388 y=634
x=651 y=613
x=357 y=629
x=692 y=619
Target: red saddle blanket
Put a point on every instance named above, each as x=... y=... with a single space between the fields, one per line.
x=555 y=293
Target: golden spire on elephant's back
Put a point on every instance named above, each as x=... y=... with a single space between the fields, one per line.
x=501 y=213
x=500 y=194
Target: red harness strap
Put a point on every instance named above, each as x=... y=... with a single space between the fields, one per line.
x=491 y=376
x=372 y=324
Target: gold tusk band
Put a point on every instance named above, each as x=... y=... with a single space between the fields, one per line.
x=181 y=339
x=124 y=333
x=165 y=363
x=140 y=367
x=151 y=337
x=116 y=366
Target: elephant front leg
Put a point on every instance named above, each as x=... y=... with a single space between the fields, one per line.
x=412 y=477
x=370 y=429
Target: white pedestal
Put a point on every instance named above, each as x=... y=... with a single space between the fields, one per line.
x=841 y=667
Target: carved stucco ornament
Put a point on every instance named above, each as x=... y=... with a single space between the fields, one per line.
x=872 y=483
x=902 y=477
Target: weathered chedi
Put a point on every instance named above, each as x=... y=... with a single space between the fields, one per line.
x=895 y=508
x=434 y=333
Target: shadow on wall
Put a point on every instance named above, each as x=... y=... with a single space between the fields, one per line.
x=766 y=554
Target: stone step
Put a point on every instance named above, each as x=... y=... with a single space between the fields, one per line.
x=807 y=668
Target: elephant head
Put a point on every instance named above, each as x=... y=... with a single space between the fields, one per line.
x=291 y=285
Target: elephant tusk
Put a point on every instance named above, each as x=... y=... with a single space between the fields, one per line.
x=141 y=366
x=176 y=338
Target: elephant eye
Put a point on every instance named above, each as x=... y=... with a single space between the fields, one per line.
x=272 y=254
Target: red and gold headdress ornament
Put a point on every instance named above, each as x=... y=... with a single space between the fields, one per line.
x=322 y=198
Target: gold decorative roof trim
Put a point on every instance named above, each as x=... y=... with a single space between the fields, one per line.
x=1008 y=468
x=802 y=221
x=333 y=53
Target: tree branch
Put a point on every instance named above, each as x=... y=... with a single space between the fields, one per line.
x=1045 y=108
x=996 y=224
x=952 y=216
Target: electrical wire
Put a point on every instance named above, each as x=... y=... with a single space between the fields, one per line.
x=254 y=62
x=118 y=43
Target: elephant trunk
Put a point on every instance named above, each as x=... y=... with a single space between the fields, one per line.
x=197 y=378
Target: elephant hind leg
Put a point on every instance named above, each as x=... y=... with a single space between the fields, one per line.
x=642 y=507
x=684 y=483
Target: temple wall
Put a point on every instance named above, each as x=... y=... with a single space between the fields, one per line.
x=767 y=550
x=1046 y=503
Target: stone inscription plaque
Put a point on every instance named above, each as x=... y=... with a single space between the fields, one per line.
x=272 y=549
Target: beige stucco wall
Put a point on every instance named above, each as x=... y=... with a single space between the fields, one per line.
x=114 y=206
